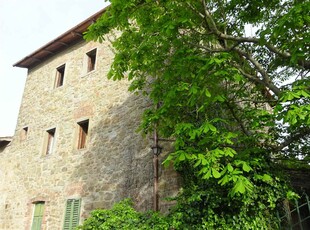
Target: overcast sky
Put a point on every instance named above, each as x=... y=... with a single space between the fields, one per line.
x=25 y=26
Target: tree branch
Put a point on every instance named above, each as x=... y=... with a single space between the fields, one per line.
x=242 y=126
x=249 y=76
x=209 y=20
x=212 y=26
x=303 y=132
x=266 y=79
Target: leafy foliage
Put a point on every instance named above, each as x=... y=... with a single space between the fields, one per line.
x=202 y=205
x=236 y=105
x=123 y=216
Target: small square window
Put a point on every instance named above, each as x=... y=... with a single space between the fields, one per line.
x=82 y=134
x=91 y=60
x=60 y=75
x=50 y=141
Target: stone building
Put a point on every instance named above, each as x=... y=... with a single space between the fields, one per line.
x=75 y=147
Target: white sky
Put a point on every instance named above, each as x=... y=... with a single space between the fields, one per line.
x=25 y=26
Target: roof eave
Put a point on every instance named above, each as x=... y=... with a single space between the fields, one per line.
x=60 y=43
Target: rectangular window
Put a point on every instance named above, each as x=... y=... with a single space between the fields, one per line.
x=37 y=215
x=50 y=140
x=24 y=133
x=72 y=214
x=91 y=60
x=82 y=133
x=60 y=75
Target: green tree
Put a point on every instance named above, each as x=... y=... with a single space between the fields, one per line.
x=237 y=104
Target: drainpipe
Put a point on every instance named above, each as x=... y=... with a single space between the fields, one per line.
x=156 y=151
x=155 y=163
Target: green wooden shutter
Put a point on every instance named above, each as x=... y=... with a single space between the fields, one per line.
x=72 y=214
x=37 y=216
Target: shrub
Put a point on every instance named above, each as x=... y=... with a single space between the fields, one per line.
x=124 y=216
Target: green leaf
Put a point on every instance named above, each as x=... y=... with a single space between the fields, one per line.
x=304 y=93
x=267 y=178
x=198 y=162
x=215 y=173
x=239 y=187
x=229 y=152
x=207 y=93
x=212 y=128
x=204 y=161
x=224 y=180
x=207 y=175
x=246 y=167
x=182 y=156
x=168 y=160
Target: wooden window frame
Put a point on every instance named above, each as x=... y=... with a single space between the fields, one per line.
x=83 y=127
x=72 y=214
x=60 y=76
x=91 y=60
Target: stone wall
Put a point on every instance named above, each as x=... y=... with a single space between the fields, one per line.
x=300 y=179
x=116 y=163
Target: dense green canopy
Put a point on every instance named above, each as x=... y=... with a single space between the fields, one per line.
x=229 y=80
